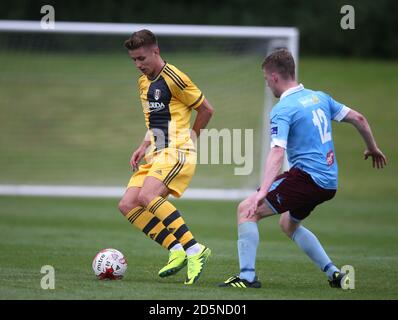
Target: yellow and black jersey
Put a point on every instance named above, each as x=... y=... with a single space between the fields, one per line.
x=167 y=103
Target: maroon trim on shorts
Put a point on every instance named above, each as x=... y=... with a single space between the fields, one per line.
x=298 y=194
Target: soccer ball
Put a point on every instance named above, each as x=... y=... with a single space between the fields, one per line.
x=109 y=264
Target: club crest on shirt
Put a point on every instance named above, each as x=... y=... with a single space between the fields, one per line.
x=157 y=94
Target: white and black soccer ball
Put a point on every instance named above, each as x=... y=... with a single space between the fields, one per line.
x=109 y=264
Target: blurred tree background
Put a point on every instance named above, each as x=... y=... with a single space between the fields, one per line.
x=318 y=21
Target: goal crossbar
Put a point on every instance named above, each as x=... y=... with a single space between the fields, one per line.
x=158 y=29
x=289 y=36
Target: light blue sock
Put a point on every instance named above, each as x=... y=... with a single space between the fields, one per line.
x=310 y=244
x=248 y=240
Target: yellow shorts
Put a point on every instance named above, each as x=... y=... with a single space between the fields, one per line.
x=175 y=168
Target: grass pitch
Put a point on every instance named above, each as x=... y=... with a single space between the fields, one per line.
x=67 y=233
x=75 y=119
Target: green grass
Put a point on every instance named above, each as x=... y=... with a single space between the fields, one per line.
x=67 y=233
x=67 y=117
x=75 y=119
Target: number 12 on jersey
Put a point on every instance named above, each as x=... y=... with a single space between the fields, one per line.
x=319 y=119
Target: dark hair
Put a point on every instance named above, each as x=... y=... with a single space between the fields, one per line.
x=282 y=62
x=141 y=38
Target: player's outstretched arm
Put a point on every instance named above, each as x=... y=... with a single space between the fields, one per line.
x=205 y=112
x=361 y=124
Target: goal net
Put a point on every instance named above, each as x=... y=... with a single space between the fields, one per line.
x=71 y=115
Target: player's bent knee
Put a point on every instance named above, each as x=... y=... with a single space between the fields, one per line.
x=241 y=207
x=125 y=207
x=144 y=199
x=241 y=213
x=244 y=217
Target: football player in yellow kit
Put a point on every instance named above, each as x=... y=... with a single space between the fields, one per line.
x=168 y=97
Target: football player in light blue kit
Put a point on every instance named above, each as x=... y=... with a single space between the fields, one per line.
x=301 y=126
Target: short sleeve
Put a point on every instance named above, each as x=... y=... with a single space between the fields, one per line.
x=184 y=89
x=337 y=109
x=280 y=125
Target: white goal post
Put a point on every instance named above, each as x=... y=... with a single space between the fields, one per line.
x=276 y=36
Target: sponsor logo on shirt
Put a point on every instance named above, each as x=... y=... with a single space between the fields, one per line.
x=274 y=130
x=309 y=100
x=153 y=106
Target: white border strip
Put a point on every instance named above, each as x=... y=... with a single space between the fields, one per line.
x=158 y=29
x=113 y=192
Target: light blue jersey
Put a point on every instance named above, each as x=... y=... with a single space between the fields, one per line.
x=301 y=123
